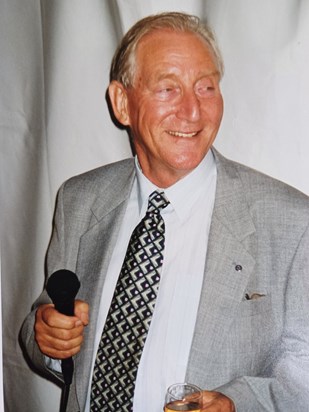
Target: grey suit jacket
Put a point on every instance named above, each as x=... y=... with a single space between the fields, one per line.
x=251 y=338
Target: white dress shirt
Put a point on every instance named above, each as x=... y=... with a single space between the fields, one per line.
x=187 y=222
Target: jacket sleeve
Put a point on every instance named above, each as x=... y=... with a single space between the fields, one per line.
x=55 y=261
x=285 y=386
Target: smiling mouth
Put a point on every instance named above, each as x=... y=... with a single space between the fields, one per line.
x=182 y=134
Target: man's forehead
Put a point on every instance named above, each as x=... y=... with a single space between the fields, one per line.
x=166 y=47
x=162 y=42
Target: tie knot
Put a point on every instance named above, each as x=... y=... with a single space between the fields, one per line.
x=157 y=201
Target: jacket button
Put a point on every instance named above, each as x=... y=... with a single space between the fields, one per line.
x=238 y=268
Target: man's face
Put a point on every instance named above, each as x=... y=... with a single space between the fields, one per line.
x=174 y=108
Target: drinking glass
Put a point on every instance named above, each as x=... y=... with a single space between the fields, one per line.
x=183 y=397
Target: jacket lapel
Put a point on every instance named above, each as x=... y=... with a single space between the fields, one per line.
x=228 y=268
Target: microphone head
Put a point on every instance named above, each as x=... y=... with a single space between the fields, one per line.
x=62 y=286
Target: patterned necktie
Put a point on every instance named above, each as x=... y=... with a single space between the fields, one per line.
x=130 y=313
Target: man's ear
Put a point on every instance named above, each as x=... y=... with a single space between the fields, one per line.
x=119 y=101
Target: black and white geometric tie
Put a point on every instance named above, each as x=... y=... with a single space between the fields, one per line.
x=130 y=314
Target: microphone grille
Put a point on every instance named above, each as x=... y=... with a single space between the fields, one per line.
x=62 y=286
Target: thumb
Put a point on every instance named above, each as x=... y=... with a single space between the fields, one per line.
x=81 y=310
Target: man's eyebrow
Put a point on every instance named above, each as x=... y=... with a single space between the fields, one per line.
x=163 y=76
x=172 y=75
x=214 y=73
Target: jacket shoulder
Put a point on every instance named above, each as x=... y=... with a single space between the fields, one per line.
x=96 y=185
x=107 y=172
x=261 y=189
x=100 y=178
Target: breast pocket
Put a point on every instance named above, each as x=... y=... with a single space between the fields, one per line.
x=254 y=306
x=252 y=335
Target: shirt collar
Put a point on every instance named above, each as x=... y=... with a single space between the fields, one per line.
x=184 y=193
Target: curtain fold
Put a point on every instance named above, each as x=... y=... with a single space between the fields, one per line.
x=266 y=86
x=54 y=123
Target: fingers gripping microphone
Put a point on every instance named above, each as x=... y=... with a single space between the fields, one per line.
x=62 y=287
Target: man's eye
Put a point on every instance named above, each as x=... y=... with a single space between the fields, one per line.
x=167 y=89
x=166 y=92
x=205 y=88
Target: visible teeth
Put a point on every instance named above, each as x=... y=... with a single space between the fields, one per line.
x=179 y=134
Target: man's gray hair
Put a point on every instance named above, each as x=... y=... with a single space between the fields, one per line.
x=123 y=63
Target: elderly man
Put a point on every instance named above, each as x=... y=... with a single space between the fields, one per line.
x=219 y=295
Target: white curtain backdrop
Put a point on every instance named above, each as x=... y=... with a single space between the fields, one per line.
x=54 y=123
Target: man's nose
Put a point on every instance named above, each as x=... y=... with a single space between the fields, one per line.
x=189 y=107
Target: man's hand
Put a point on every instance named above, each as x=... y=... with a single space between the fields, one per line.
x=60 y=336
x=217 y=402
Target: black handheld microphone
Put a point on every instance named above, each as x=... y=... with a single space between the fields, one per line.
x=62 y=287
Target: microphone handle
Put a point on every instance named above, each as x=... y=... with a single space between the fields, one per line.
x=67 y=369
